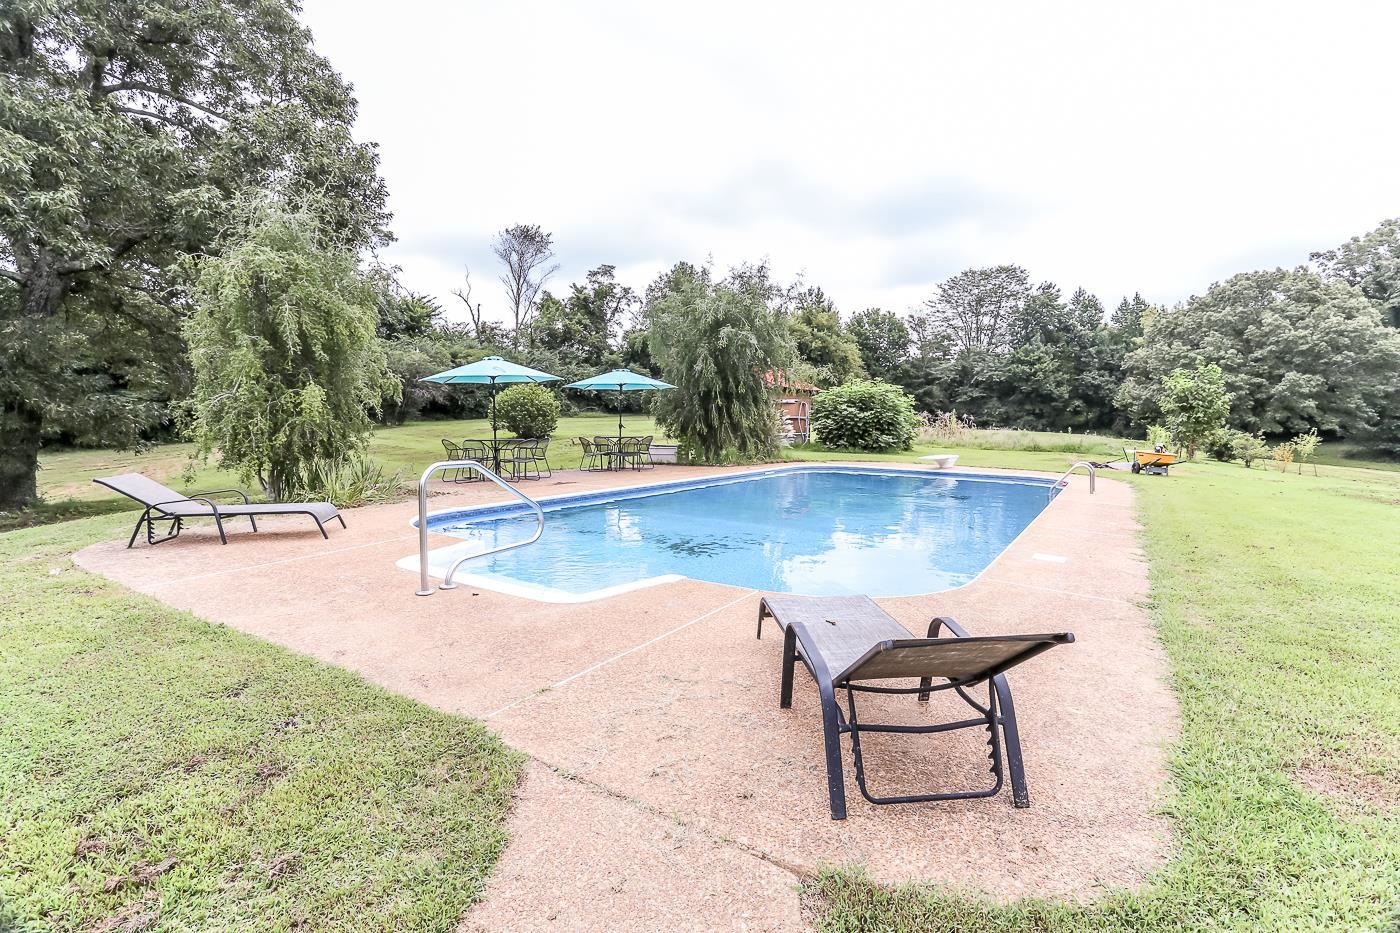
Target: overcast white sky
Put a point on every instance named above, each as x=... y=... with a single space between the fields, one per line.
x=876 y=149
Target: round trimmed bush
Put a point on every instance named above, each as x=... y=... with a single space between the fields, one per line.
x=865 y=415
x=528 y=410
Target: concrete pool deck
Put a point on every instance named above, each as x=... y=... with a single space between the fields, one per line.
x=665 y=787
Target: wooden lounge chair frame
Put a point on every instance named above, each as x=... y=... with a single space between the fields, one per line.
x=891 y=653
x=176 y=509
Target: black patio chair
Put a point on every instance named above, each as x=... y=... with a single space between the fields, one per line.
x=166 y=505
x=609 y=448
x=454 y=452
x=846 y=642
x=591 y=457
x=522 y=455
x=480 y=451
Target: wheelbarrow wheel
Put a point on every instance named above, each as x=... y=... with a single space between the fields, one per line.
x=1136 y=467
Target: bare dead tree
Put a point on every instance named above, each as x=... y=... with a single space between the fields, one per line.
x=525 y=250
x=465 y=293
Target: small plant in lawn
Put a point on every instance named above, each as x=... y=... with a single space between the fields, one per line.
x=528 y=410
x=1248 y=447
x=1305 y=446
x=1283 y=455
x=865 y=415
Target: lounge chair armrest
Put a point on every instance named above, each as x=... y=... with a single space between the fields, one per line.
x=209 y=502
x=950 y=624
x=221 y=492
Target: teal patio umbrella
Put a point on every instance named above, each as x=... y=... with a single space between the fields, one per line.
x=492 y=371
x=621 y=380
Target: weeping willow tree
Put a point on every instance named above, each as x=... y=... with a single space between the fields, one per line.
x=287 y=365
x=714 y=341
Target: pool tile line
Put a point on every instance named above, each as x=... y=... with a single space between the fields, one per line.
x=619 y=656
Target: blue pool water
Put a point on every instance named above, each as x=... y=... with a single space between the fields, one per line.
x=816 y=531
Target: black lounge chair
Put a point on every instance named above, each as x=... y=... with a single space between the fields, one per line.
x=848 y=641
x=166 y=505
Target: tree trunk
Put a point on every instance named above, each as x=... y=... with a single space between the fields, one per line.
x=22 y=419
x=20 y=431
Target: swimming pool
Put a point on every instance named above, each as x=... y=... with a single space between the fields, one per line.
x=814 y=530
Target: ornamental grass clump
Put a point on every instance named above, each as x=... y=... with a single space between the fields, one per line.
x=865 y=415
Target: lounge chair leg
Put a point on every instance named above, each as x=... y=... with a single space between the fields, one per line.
x=1020 y=796
x=140 y=522
x=253 y=520
x=219 y=523
x=321 y=528
x=835 y=773
x=341 y=519
x=789 y=662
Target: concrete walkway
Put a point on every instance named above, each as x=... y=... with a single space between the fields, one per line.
x=666 y=789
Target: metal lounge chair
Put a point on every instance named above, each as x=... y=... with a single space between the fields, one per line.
x=166 y=505
x=847 y=642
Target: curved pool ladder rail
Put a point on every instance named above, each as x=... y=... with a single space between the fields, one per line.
x=424 y=587
x=1065 y=476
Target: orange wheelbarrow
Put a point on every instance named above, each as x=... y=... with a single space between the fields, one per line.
x=1152 y=462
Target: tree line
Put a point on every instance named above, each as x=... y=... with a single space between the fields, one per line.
x=145 y=146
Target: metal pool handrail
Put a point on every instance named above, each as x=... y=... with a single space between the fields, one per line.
x=424 y=588
x=1074 y=466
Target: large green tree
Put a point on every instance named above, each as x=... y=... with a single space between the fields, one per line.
x=582 y=326
x=883 y=340
x=1297 y=353
x=714 y=341
x=126 y=132
x=287 y=364
x=1372 y=264
x=977 y=309
x=820 y=340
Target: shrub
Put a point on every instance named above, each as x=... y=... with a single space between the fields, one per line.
x=528 y=410
x=1220 y=445
x=865 y=415
x=1248 y=447
x=1283 y=455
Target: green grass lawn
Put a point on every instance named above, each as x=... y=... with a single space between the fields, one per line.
x=409 y=449
x=285 y=789
x=159 y=772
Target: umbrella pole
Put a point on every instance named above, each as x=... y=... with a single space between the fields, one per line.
x=619 y=416
x=495 y=447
